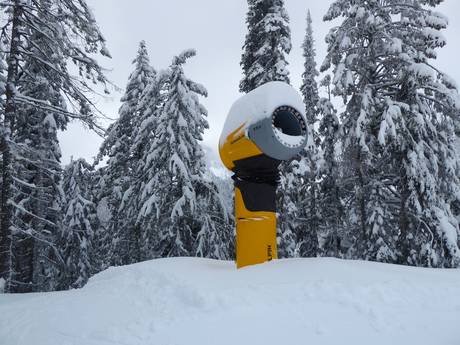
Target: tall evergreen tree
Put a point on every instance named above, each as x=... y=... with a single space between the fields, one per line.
x=291 y=221
x=40 y=35
x=215 y=236
x=218 y=239
x=4 y=242
x=329 y=194
x=456 y=203
x=297 y=198
x=150 y=106
x=309 y=91
x=398 y=130
x=267 y=43
x=103 y=248
x=174 y=190
x=357 y=79
x=119 y=171
x=36 y=187
x=77 y=231
x=173 y=163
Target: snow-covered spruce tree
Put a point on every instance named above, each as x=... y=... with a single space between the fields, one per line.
x=102 y=254
x=329 y=201
x=119 y=170
x=398 y=128
x=4 y=242
x=221 y=244
x=290 y=202
x=309 y=86
x=77 y=231
x=215 y=237
x=40 y=35
x=359 y=61
x=307 y=187
x=149 y=107
x=297 y=195
x=268 y=41
x=174 y=192
x=425 y=115
x=456 y=203
x=37 y=196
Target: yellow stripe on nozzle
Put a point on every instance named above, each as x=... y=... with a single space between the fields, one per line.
x=236 y=147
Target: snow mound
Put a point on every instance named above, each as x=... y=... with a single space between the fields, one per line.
x=191 y=301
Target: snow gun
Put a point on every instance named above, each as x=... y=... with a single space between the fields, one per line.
x=263 y=128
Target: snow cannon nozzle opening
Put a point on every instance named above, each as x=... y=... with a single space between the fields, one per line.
x=289 y=122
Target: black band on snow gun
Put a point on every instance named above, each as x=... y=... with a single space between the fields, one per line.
x=257 y=178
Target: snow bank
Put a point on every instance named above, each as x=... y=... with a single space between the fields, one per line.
x=260 y=104
x=186 y=301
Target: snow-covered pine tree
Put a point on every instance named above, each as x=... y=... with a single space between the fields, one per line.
x=77 y=231
x=103 y=240
x=425 y=116
x=307 y=186
x=398 y=130
x=68 y=30
x=329 y=202
x=174 y=191
x=37 y=197
x=290 y=201
x=268 y=41
x=217 y=191
x=4 y=241
x=8 y=117
x=359 y=61
x=456 y=203
x=173 y=161
x=427 y=104
x=215 y=237
x=309 y=86
x=298 y=219
x=429 y=151
x=150 y=105
x=119 y=171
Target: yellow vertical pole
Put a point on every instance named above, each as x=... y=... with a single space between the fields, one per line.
x=255 y=234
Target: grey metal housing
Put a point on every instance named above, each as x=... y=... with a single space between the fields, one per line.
x=262 y=133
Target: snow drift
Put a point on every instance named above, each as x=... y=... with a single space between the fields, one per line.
x=197 y=301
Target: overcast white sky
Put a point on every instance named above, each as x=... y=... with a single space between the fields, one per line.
x=216 y=29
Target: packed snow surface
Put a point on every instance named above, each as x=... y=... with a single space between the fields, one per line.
x=187 y=301
x=260 y=104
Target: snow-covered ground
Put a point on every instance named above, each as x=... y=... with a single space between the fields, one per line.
x=187 y=301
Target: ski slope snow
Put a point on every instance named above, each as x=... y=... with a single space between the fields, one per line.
x=194 y=301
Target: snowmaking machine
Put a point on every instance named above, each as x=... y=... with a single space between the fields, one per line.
x=263 y=128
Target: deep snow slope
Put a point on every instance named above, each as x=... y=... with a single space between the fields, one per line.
x=185 y=301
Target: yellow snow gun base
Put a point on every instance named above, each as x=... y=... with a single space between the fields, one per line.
x=255 y=234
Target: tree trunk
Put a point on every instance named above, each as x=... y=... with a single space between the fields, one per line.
x=313 y=226
x=6 y=235
x=403 y=221
x=362 y=202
